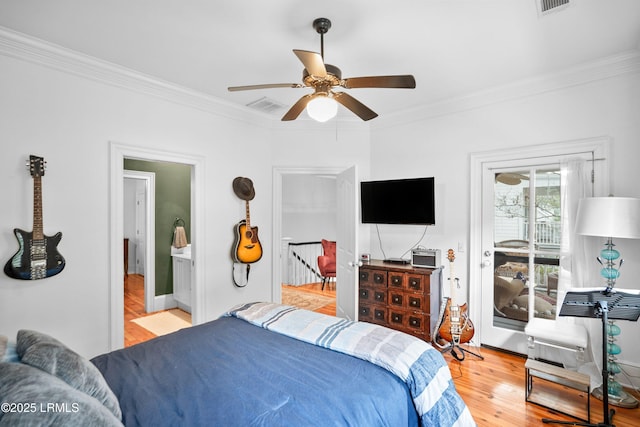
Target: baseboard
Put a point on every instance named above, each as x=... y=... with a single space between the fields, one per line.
x=502 y=350
x=164 y=302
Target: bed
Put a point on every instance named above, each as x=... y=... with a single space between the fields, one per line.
x=266 y=364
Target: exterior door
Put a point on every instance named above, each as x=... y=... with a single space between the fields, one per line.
x=521 y=241
x=347 y=245
x=516 y=222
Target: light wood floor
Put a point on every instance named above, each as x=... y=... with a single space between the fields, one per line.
x=133 y=309
x=316 y=289
x=493 y=388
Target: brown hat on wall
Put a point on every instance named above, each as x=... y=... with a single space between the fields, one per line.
x=243 y=187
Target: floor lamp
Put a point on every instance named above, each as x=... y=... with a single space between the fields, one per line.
x=610 y=217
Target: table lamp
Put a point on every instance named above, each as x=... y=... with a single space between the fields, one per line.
x=610 y=217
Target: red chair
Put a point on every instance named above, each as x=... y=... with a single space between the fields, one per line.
x=327 y=261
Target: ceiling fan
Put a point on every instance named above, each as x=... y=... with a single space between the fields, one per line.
x=511 y=178
x=323 y=78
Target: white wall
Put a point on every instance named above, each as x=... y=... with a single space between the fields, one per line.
x=440 y=146
x=70 y=119
x=336 y=145
x=309 y=207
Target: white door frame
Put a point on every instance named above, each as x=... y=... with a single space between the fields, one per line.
x=276 y=261
x=150 y=238
x=478 y=162
x=118 y=152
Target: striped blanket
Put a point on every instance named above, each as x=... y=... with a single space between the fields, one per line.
x=419 y=365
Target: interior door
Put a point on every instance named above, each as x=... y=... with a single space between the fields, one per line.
x=141 y=226
x=347 y=244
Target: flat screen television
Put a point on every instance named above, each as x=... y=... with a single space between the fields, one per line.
x=398 y=201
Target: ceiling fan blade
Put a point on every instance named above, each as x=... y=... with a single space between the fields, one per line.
x=357 y=107
x=406 y=81
x=297 y=108
x=312 y=62
x=265 y=86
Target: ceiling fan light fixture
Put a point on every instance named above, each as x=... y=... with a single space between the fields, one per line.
x=322 y=108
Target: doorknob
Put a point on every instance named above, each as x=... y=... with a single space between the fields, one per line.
x=353 y=264
x=486 y=263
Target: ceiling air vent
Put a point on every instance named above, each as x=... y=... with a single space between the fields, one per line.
x=547 y=6
x=267 y=105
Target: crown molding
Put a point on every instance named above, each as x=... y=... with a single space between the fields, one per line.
x=24 y=47
x=624 y=63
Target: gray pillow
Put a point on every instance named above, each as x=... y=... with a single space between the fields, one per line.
x=35 y=398
x=4 y=343
x=50 y=355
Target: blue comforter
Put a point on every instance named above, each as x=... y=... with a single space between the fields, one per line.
x=231 y=373
x=419 y=365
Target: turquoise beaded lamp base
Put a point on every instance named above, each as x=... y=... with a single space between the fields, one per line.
x=623 y=399
x=617 y=396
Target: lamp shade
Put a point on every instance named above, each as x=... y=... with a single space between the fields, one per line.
x=322 y=108
x=609 y=217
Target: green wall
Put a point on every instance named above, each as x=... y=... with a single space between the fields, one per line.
x=173 y=200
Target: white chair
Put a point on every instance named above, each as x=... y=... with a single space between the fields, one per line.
x=561 y=333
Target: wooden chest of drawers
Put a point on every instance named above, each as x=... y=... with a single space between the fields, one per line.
x=400 y=297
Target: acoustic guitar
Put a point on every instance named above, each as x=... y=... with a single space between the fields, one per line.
x=38 y=256
x=246 y=247
x=455 y=328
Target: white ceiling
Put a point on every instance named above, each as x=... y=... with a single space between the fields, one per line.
x=452 y=47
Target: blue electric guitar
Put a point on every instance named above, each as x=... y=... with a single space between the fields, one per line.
x=38 y=256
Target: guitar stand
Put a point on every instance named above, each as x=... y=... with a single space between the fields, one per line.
x=604 y=304
x=451 y=347
x=464 y=350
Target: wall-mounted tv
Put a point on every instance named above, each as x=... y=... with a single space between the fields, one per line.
x=398 y=201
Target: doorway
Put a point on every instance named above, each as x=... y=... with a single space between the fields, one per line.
x=118 y=153
x=516 y=224
x=139 y=226
x=346 y=237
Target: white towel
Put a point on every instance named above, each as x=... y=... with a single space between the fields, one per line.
x=179 y=238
